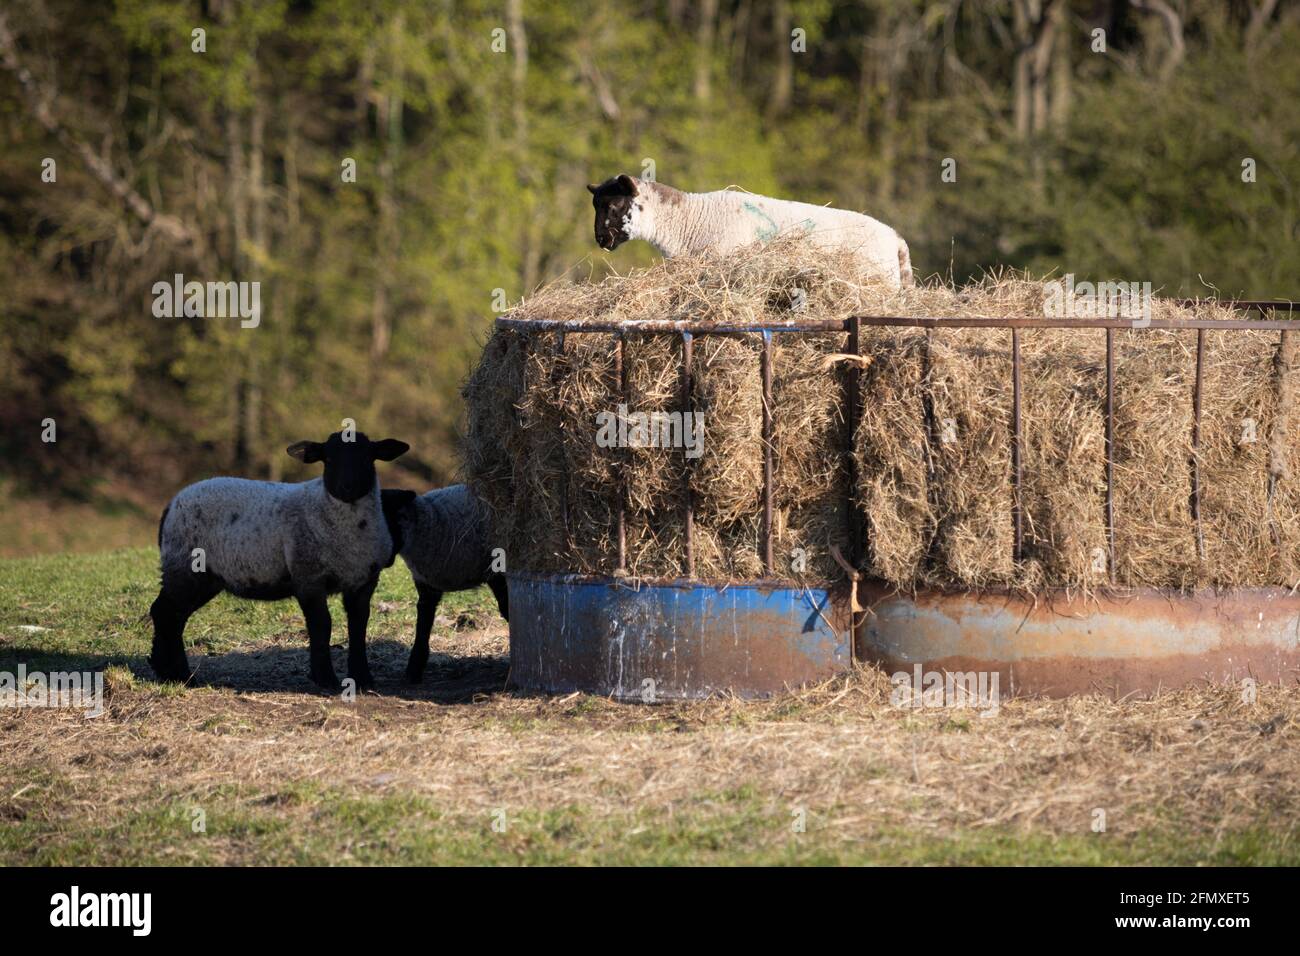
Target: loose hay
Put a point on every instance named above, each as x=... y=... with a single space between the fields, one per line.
x=932 y=448
x=1203 y=762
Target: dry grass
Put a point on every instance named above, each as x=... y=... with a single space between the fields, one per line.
x=1201 y=761
x=413 y=774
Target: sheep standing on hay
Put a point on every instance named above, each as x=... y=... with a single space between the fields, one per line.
x=271 y=540
x=678 y=223
x=444 y=536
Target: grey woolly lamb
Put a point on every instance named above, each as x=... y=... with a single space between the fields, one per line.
x=445 y=545
x=271 y=540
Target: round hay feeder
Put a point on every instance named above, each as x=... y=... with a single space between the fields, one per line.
x=638 y=636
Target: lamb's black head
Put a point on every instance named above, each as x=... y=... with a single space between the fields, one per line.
x=349 y=464
x=614 y=200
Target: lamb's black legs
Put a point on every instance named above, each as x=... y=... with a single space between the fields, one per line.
x=424 y=612
x=497 y=583
x=357 y=605
x=316 y=610
x=170 y=610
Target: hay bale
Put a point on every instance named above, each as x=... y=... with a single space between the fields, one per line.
x=491 y=442
x=810 y=473
x=1154 y=544
x=971 y=483
x=1249 y=497
x=932 y=448
x=892 y=450
x=727 y=479
x=1064 y=458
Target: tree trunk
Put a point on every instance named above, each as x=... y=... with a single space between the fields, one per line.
x=783 y=82
x=257 y=236
x=236 y=177
x=389 y=113
x=286 y=291
x=704 y=50
x=1023 y=94
x=1044 y=44
x=1035 y=24
x=1062 y=70
x=529 y=234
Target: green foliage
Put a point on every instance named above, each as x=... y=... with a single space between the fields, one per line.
x=470 y=172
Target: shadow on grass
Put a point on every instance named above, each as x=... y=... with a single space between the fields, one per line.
x=281 y=668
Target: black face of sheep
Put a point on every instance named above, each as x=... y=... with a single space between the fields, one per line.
x=349 y=465
x=613 y=200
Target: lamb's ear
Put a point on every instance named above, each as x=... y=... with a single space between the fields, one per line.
x=593 y=188
x=306 y=451
x=389 y=448
x=395 y=499
x=628 y=183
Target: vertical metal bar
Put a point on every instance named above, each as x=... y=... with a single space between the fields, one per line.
x=1017 y=511
x=857 y=526
x=1110 y=454
x=566 y=504
x=768 y=563
x=620 y=390
x=857 y=521
x=689 y=495
x=1196 y=443
x=1283 y=367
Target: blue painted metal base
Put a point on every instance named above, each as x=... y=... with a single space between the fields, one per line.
x=665 y=641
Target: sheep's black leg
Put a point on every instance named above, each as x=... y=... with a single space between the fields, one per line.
x=316 y=610
x=424 y=612
x=497 y=583
x=177 y=600
x=357 y=605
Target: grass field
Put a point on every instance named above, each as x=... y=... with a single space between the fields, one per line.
x=462 y=769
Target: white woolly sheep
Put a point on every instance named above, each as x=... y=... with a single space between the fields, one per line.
x=680 y=223
x=271 y=540
x=445 y=544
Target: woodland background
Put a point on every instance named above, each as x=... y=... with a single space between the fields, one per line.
x=376 y=295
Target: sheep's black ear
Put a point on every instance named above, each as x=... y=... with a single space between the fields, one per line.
x=388 y=449
x=395 y=499
x=307 y=451
x=593 y=188
x=628 y=184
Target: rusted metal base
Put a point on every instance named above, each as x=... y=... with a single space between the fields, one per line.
x=671 y=640
x=1137 y=642
x=668 y=640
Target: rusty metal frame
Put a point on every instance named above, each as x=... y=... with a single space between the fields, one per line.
x=858 y=526
x=859 y=540
x=765 y=363
x=620 y=389
x=1110 y=455
x=1197 y=387
x=689 y=494
x=1017 y=505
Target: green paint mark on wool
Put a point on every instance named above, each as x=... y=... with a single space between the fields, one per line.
x=767 y=230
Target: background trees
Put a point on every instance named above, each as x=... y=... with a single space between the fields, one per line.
x=474 y=126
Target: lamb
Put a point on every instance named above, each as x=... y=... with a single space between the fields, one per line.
x=445 y=545
x=679 y=223
x=272 y=540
